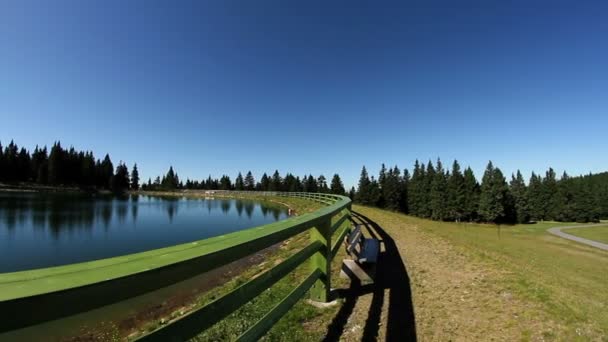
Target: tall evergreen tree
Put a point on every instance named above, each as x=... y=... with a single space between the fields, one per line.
x=551 y=200
x=438 y=198
x=392 y=191
x=536 y=207
x=276 y=182
x=336 y=185
x=375 y=193
x=2 y=166
x=170 y=181
x=518 y=190
x=310 y=185
x=135 y=178
x=225 y=183
x=416 y=187
x=472 y=193
x=120 y=181
x=493 y=197
x=363 y=195
x=456 y=194
x=382 y=175
x=239 y=183
x=55 y=165
x=405 y=186
x=249 y=181
x=322 y=184
x=264 y=182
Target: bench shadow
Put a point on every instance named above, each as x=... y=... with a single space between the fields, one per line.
x=391 y=275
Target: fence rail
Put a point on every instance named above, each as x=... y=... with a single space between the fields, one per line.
x=31 y=297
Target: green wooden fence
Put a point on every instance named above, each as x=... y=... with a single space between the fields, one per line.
x=31 y=297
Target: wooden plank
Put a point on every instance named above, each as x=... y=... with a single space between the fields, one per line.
x=258 y=330
x=352 y=270
x=195 y=322
x=339 y=240
x=353 y=239
x=338 y=223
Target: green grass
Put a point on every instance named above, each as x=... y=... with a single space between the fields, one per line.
x=599 y=234
x=569 y=280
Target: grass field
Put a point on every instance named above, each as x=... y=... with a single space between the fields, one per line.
x=475 y=282
x=592 y=233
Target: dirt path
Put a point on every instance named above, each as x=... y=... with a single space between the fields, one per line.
x=428 y=290
x=558 y=231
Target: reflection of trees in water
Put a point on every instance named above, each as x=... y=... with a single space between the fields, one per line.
x=105 y=213
x=58 y=212
x=239 y=207
x=134 y=207
x=121 y=209
x=225 y=204
x=249 y=206
x=276 y=213
x=171 y=206
x=61 y=213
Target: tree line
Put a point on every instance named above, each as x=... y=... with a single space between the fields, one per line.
x=432 y=191
x=275 y=182
x=64 y=167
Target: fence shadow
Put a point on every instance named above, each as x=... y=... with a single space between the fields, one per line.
x=391 y=275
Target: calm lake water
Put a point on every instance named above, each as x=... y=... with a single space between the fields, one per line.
x=45 y=229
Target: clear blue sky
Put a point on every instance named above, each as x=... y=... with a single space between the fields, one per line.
x=215 y=87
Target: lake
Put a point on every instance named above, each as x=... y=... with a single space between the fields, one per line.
x=49 y=229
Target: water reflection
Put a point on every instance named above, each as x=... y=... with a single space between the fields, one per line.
x=41 y=229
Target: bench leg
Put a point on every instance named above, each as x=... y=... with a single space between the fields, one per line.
x=353 y=271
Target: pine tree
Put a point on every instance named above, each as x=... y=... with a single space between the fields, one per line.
x=363 y=195
x=493 y=195
x=438 y=198
x=456 y=194
x=322 y=184
x=170 y=181
x=471 y=191
x=393 y=199
x=405 y=186
x=416 y=187
x=276 y=182
x=375 y=193
x=264 y=184
x=550 y=196
x=535 y=198
x=249 y=181
x=120 y=181
x=425 y=191
x=135 y=178
x=56 y=165
x=225 y=183
x=336 y=185
x=239 y=183
x=382 y=175
x=23 y=165
x=2 y=165
x=310 y=185
x=519 y=192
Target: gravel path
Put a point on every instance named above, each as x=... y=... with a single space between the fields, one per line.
x=558 y=231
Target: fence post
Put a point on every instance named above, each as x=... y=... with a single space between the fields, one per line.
x=322 y=260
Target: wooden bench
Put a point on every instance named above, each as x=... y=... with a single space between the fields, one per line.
x=364 y=255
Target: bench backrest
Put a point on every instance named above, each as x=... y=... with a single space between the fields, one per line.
x=353 y=239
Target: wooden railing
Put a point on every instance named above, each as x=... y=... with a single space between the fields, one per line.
x=31 y=297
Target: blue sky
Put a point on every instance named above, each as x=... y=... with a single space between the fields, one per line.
x=215 y=87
